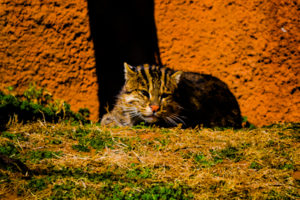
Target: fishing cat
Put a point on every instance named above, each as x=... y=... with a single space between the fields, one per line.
x=164 y=97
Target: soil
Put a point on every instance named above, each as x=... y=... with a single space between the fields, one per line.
x=252 y=47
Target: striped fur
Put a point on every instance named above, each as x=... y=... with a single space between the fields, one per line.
x=159 y=95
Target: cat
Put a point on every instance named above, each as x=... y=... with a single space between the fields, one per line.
x=167 y=98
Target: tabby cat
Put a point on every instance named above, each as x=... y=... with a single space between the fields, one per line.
x=164 y=97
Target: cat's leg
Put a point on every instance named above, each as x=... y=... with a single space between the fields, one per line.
x=108 y=120
x=117 y=118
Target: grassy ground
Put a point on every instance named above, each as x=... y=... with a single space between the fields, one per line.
x=73 y=161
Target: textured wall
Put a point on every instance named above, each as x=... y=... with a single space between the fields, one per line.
x=48 y=42
x=253 y=46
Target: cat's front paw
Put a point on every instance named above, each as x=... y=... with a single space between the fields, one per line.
x=108 y=120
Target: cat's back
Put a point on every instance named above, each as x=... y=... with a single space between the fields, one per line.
x=200 y=80
x=202 y=86
x=208 y=99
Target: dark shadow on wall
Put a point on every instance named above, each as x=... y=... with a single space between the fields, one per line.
x=122 y=31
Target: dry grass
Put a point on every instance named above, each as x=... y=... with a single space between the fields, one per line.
x=93 y=162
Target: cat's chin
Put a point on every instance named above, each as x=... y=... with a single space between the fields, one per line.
x=150 y=119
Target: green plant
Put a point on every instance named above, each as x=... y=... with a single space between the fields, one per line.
x=203 y=161
x=246 y=123
x=8 y=135
x=79 y=133
x=8 y=149
x=55 y=141
x=100 y=142
x=228 y=152
x=38 y=184
x=70 y=190
x=37 y=155
x=139 y=173
x=14 y=136
x=156 y=191
x=287 y=166
x=141 y=125
x=37 y=95
x=255 y=165
x=277 y=195
x=36 y=103
x=10 y=88
x=84 y=112
x=81 y=148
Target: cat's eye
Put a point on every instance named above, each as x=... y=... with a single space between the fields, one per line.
x=164 y=95
x=145 y=93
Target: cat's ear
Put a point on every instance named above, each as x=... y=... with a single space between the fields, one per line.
x=129 y=70
x=176 y=76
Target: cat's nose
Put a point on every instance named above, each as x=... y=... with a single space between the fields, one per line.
x=154 y=108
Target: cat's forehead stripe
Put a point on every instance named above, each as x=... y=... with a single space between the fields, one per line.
x=142 y=73
x=149 y=77
x=153 y=76
x=163 y=76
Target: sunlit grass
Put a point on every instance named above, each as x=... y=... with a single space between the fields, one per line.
x=93 y=162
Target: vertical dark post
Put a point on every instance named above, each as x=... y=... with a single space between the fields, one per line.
x=122 y=31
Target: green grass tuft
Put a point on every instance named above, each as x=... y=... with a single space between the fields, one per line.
x=87 y=161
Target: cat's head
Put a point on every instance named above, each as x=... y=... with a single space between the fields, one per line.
x=148 y=93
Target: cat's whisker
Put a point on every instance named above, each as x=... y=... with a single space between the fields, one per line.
x=177 y=118
x=180 y=107
x=136 y=114
x=171 y=121
x=167 y=121
x=133 y=113
x=131 y=110
x=174 y=122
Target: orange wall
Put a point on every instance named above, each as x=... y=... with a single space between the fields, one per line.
x=252 y=46
x=47 y=42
